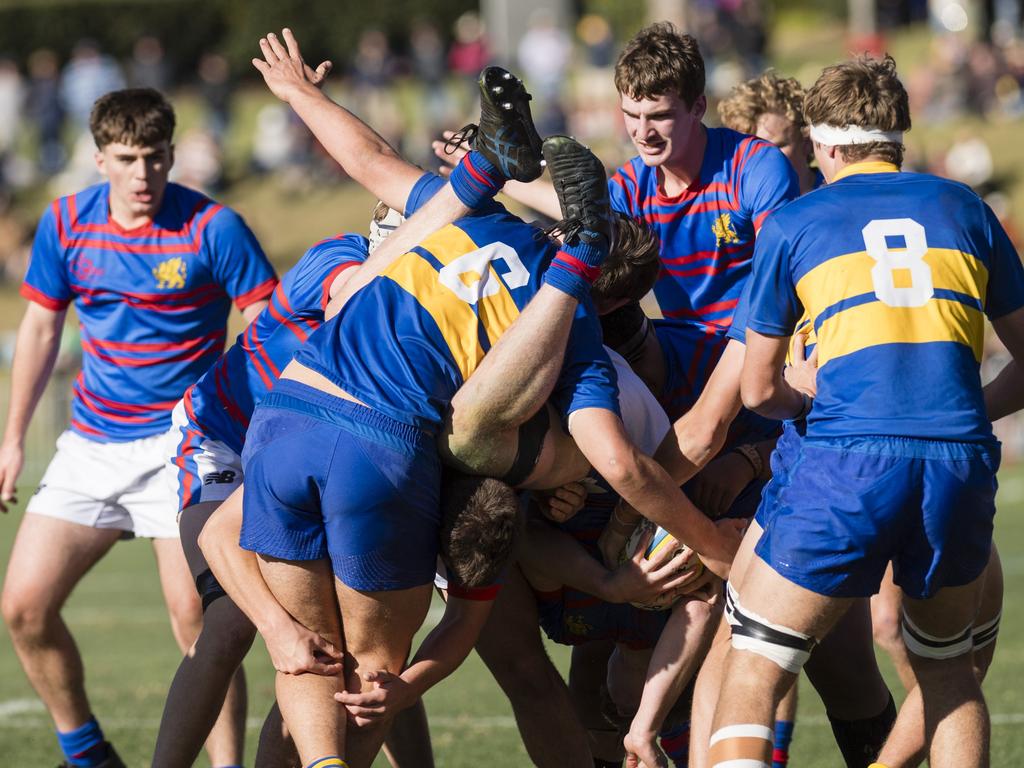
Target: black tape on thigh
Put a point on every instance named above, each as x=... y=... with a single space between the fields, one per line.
x=209 y=588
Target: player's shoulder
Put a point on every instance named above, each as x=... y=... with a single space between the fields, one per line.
x=331 y=251
x=81 y=205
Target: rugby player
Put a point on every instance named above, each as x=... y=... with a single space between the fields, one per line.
x=772 y=108
x=152 y=268
x=896 y=272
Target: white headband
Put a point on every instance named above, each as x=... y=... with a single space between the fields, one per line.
x=834 y=136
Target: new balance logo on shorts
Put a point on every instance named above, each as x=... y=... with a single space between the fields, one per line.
x=227 y=476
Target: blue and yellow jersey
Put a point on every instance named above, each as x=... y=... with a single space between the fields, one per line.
x=896 y=272
x=406 y=342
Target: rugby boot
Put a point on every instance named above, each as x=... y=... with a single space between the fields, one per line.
x=113 y=760
x=505 y=135
x=582 y=186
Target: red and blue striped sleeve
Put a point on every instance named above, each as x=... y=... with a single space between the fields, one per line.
x=239 y=264
x=46 y=282
x=766 y=181
x=623 y=191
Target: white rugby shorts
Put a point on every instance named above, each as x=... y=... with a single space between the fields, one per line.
x=109 y=485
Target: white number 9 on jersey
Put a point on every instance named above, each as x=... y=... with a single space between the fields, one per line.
x=477 y=263
x=909 y=259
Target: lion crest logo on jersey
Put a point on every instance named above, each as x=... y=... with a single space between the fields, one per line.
x=724 y=231
x=170 y=273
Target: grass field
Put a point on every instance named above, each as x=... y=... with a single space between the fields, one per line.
x=118 y=619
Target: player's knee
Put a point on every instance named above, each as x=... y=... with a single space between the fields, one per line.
x=186 y=615
x=786 y=648
x=25 y=613
x=225 y=636
x=886 y=628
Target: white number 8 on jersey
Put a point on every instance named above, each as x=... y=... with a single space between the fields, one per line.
x=910 y=259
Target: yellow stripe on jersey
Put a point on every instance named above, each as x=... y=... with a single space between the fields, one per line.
x=874 y=323
x=455 y=318
x=844 y=277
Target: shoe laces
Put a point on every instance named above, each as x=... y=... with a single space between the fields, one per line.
x=464 y=136
x=566 y=229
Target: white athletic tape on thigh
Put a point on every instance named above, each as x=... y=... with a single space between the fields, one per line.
x=927 y=646
x=842 y=136
x=985 y=634
x=742 y=731
x=786 y=647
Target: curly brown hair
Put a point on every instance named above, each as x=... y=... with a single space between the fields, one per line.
x=659 y=60
x=865 y=92
x=479 y=521
x=767 y=94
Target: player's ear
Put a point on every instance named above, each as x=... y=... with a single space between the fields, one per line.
x=700 y=106
x=100 y=160
x=170 y=156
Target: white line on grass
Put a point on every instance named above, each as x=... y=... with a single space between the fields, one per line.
x=28 y=714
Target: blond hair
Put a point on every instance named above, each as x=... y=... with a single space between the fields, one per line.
x=767 y=94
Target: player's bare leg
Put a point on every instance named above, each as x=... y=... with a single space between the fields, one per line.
x=227 y=737
x=753 y=685
x=407 y=744
x=588 y=673
x=886 y=626
x=511 y=647
x=208 y=689
x=906 y=744
x=49 y=558
x=306 y=590
x=955 y=716
x=378 y=629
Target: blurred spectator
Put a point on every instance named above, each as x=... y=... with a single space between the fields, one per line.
x=198 y=161
x=373 y=65
x=598 y=41
x=148 y=66
x=215 y=90
x=543 y=55
x=44 y=109
x=969 y=160
x=12 y=94
x=87 y=76
x=468 y=55
x=428 y=64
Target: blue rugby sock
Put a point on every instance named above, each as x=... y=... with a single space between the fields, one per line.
x=84 y=746
x=475 y=180
x=675 y=743
x=783 y=737
x=575 y=268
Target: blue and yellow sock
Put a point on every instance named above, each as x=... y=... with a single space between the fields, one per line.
x=85 y=746
x=475 y=180
x=331 y=761
x=675 y=743
x=783 y=737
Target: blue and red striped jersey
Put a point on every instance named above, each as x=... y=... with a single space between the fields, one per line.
x=152 y=302
x=222 y=401
x=707 y=231
x=407 y=341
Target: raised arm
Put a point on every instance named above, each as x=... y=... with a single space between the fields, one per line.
x=358 y=149
x=35 y=352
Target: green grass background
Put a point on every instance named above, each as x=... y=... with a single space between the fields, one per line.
x=118 y=619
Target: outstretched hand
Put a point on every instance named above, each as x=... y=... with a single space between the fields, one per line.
x=283 y=68
x=12 y=457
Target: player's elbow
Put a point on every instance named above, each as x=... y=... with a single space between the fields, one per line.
x=756 y=394
x=699 y=439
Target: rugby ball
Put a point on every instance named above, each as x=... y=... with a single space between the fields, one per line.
x=661 y=540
